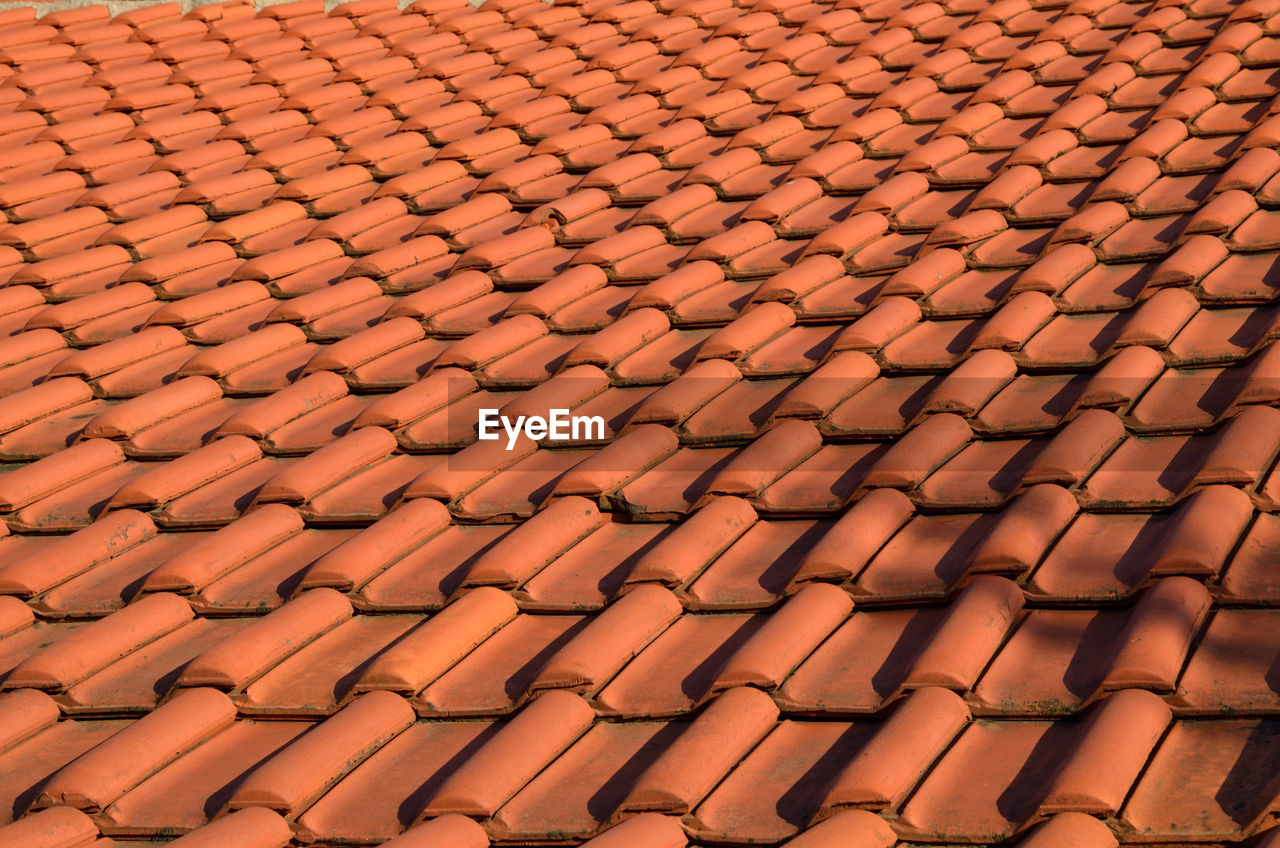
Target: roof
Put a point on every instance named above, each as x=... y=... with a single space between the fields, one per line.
x=922 y=353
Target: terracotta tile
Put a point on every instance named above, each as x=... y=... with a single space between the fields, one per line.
x=96 y=778
x=1146 y=718
x=237 y=661
x=53 y=826
x=24 y=638
x=1237 y=468
x=238 y=542
x=108 y=586
x=869 y=827
x=266 y=581
x=650 y=828
x=260 y=419
x=578 y=578
x=295 y=777
x=367 y=495
x=407 y=584
x=898 y=569
x=517 y=492
x=709 y=532
x=1077 y=826
x=494 y=677
x=126 y=420
x=824 y=482
x=115 y=534
x=1082 y=654
x=904 y=649
x=76 y=505
x=176 y=797
x=397 y=769
x=1217 y=746
x=1154 y=663
x=50 y=434
x=449 y=422
x=983 y=739
x=218 y=362
x=28 y=712
x=610 y=641
x=865 y=782
x=688 y=769
x=44 y=477
x=451 y=636
x=620 y=461
x=814 y=748
x=447 y=829
x=1046 y=332
x=46 y=752
x=301 y=481
x=601 y=762
x=73 y=658
x=524 y=746
x=43 y=400
x=293 y=687
x=762 y=661
x=841 y=551
x=1212 y=679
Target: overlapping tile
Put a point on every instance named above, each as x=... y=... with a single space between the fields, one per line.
x=935 y=497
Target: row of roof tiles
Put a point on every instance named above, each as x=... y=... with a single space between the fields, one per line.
x=722 y=558
x=617 y=192
x=565 y=774
x=645 y=474
x=128 y=344
x=138 y=389
x=256 y=827
x=470 y=162
x=773 y=211
x=77 y=412
x=643 y=657
x=839 y=273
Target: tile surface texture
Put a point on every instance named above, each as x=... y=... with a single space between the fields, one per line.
x=933 y=499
